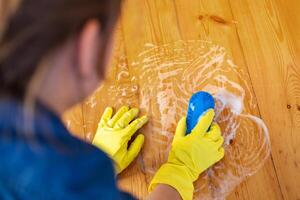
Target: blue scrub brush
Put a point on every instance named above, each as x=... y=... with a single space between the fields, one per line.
x=199 y=103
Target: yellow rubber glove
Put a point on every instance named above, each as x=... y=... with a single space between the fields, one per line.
x=113 y=135
x=190 y=155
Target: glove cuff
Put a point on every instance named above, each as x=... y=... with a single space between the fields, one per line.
x=175 y=176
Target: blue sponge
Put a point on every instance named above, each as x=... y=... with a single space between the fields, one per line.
x=199 y=103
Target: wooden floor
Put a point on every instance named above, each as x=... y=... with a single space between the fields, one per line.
x=261 y=35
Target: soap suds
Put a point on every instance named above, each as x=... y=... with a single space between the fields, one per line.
x=168 y=76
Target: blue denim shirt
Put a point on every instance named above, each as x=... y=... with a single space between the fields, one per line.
x=45 y=162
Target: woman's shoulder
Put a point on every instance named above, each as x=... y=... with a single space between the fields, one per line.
x=45 y=158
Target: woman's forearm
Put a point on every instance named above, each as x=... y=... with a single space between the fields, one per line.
x=164 y=192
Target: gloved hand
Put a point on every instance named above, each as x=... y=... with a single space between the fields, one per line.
x=113 y=135
x=190 y=155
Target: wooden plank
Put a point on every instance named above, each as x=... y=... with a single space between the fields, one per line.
x=268 y=32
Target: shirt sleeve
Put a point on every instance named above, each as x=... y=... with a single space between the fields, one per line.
x=50 y=164
x=95 y=178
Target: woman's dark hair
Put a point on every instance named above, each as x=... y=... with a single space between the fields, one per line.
x=39 y=26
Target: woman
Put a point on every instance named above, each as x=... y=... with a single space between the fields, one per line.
x=54 y=53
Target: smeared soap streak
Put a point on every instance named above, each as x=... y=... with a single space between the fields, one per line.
x=167 y=76
x=92 y=102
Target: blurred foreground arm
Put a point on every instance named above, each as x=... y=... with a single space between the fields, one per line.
x=190 y=155
x=114 y=133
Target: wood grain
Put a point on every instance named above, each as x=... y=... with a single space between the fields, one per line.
x=262 y=37
x=271 y=49
x=262 y=40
